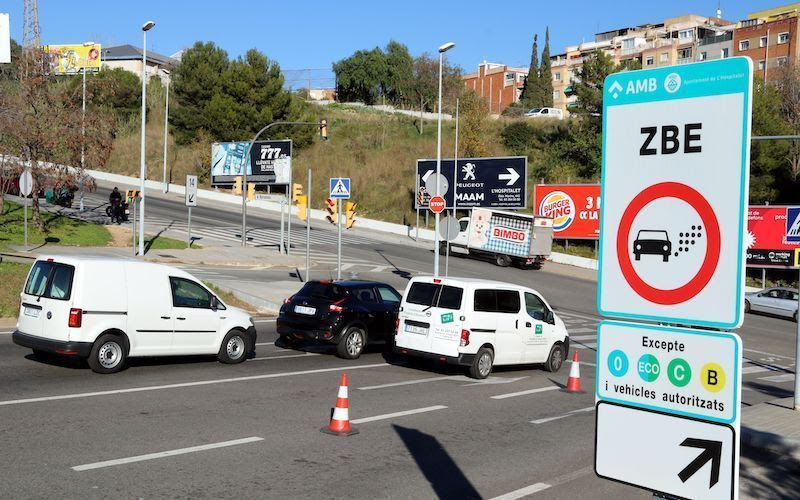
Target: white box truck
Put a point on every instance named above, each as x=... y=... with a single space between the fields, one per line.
x=504 y=237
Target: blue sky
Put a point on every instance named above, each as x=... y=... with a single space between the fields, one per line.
x=314 y=34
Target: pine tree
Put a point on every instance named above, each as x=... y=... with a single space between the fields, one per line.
x=545 y=75
x=530 y=88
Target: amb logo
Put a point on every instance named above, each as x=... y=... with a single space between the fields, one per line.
x=560 y=207
x=636 y=87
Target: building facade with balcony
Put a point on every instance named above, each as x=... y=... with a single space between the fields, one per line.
x=499 y=84
x=769 y=38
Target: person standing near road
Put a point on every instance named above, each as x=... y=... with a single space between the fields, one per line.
x=115 y=200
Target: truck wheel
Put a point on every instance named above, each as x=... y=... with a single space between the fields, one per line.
x=233 y=349
x=481 y=366
x=108 y=354
x=352 y=343
x=503 y=260
x=555 y=359
x=442 y=248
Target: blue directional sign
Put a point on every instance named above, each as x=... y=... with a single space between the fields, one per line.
x=340 y=188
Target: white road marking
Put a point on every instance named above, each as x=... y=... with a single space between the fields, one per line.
x=582 y=337
x=768 y=354
x=271 y=320
x=286 y=357
x=568 y=414
x=523 y=492
x=397 y=414
x=345 y=267
x=187 y=384
x=586 y=345
x=491 y=380
x=755 y=369
x=162 y=454
x=577 y=315
x=265 y=343
x=582 y=330
x=786 y=377
x=582 y=362
x=405 y=382
x=6 y=333
x=525 y=393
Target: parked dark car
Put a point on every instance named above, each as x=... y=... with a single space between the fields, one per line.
x=349 y=314
x=649 y=242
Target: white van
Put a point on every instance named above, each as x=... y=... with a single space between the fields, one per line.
x=106 y=310
x=545 y=113
x=478 y=324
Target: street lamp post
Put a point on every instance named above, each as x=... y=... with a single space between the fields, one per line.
x=83 y=126
x=444 y=48
x=145 y=28
x=166 y=135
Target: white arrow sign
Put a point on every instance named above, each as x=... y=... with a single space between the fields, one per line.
x=427 y=174
x=512 y=176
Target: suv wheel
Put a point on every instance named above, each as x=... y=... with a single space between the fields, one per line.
x=352 y=343
x=108 y=354
x=481 y=365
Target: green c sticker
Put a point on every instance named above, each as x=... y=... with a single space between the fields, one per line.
x=538 y=329
x=447 y=318
x=679 y=372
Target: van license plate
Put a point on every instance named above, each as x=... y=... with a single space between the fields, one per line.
x=416 y=329
x=30 y=311
x=305 y=310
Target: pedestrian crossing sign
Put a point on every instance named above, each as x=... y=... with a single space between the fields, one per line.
x=340 y=188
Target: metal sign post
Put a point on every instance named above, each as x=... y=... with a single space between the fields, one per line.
x=308 y=229
x=339 y=240
x=283 y=206
x=191 y=201
x=134 y=226
x=339 y=189
x=25 y=189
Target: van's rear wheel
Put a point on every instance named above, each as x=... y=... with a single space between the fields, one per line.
x=555 y=359
x=234 y=348
x=481 y=366
x=503 y=260
x=108 y=354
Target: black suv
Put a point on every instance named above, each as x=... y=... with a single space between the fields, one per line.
x=346 y=313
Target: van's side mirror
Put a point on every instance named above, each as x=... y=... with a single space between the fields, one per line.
x=214 y=303
x=550 y=317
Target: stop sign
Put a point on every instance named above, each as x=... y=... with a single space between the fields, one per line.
x=436 y=204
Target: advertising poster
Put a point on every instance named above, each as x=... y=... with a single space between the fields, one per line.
x=71 y=59
x=773 y=232
x=575 y=209
x=5 y=39
x=272 y=160
x=499 y=232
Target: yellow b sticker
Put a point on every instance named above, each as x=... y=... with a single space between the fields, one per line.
x=712 y=377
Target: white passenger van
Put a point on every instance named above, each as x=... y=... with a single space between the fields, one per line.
x=106 y=310
x=478 y=324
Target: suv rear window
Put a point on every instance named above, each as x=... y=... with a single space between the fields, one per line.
x=320 y=290
x=50 y=280
x=501 y=301
x=429 y=294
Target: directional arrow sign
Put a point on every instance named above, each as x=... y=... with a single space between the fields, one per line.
x=712 y=451
x=512 y=176
x=658 y=452
x=191 y=190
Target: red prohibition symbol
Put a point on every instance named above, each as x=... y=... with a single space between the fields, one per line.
x=700 y=280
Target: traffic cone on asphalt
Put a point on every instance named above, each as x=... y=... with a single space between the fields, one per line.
x=574 y=380
x=340 y=419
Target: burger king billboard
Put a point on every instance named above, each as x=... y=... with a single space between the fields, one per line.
x=575 y=209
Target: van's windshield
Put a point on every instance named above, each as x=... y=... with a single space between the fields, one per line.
x=431 y=294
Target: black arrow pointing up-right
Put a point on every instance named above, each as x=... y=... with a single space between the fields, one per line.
x=712 y=450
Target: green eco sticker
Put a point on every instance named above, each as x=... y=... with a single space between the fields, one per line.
x=447 y=318
x=538 y=329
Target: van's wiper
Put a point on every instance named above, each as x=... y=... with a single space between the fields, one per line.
x=427 y=308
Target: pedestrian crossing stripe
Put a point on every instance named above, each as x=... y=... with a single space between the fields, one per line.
x=340 y=187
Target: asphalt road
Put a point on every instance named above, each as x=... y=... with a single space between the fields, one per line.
x=192 y=427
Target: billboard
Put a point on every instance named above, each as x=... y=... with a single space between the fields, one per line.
x=272 y=161
x=5 y=39
x=773 y=233
x=575 y=209
x=499 y=182
x=71 y=59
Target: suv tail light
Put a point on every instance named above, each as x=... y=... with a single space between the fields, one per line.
x=464 y=338
x=287 y=301
x=336 y=307
x=396 y=325
x=75 y=318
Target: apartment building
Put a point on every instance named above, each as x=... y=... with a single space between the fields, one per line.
x=500 y=85
x=129 y=58
x=769 y=38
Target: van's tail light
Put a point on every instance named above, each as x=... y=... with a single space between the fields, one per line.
x=75 y=317
x=287 y=301
x=396 y=325
x=336 y=306
x=464 y=338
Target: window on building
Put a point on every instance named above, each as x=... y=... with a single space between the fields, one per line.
x=649 y=61
x=744 y=45
x=556 y=95
x=762 y=42
x=628 y=43
x=664 y=57
x=724 y=53
x=557 y=76
x=703 y=56
x=762 y=64
x=783 y=37
x=509 y=79
x=685 y=34
x=685 y=53
x=783 y=61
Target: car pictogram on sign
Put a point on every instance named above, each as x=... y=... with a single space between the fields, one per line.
x=652 y=242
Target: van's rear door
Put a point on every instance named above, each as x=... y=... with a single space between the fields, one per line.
x=432 y=321
x=46 y=300
x=446 y=321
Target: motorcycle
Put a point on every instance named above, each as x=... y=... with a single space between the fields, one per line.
x=123 y=211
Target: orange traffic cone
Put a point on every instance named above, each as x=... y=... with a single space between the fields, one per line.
x=574 y=380
x=340 y=419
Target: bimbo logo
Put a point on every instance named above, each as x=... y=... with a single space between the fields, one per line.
x=509 y=234
x=560 y=207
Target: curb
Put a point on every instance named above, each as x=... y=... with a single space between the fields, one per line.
x=769 y=442
x=261 y=305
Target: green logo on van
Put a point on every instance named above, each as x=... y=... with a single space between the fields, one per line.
x=447 y=318
x=538 y=329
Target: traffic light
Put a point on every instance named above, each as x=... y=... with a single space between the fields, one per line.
x=130 y=195
x=297 y=191
x=301 y=201
x=323 y=129
x=350 y=211
x=330 y=206
x=251 y=191
x=237 y=186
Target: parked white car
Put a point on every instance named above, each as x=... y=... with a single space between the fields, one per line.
x=545 y=113
x=777 y=301
x=106 y=310
x=478 y=324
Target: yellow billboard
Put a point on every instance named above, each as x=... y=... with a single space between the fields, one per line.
x=71 y=59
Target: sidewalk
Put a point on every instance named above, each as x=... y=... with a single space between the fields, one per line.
x=772 y=426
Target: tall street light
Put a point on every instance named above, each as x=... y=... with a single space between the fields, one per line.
x=444 y=48
x=166 y=125
x=145 y=28
x=83 y=125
